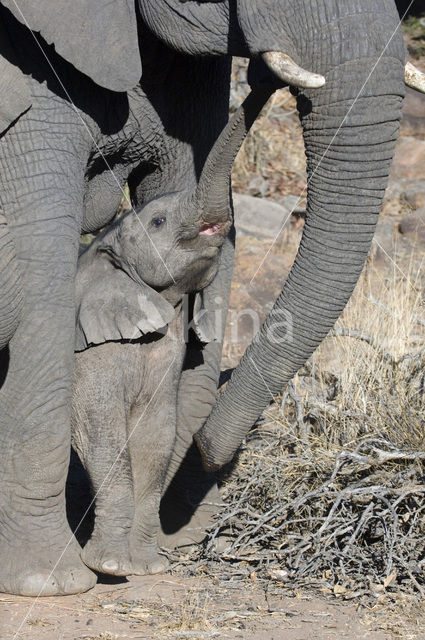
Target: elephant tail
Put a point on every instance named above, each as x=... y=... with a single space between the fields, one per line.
x=11 y=295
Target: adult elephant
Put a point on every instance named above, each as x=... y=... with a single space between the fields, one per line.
x=77 y=123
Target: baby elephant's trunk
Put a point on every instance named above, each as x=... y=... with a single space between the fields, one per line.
x=212 y=196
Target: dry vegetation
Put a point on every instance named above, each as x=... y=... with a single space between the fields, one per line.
x=328 y=489
x=414 y=31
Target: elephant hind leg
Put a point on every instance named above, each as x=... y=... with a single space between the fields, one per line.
x=43 y=214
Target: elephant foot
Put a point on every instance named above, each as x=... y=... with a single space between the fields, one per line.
x=106 y=555
x=44 y=568
x=188 y=508
x=148 y=561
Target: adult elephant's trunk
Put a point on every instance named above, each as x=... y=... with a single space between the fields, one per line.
x=10 y=286
x=350 y=127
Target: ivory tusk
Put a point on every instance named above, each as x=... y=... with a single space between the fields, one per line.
x=291 y=73
x=414 y=78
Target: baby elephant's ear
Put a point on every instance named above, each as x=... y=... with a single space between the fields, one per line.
x=116 y=308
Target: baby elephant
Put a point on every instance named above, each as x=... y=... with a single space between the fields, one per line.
x=130 y=285
x=130 y=349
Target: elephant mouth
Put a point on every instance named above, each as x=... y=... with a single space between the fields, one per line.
x=214 y=228
x=209 y=229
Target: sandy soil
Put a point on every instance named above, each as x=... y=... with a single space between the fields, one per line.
x=166 y=606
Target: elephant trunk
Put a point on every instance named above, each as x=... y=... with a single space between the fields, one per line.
x=10 y=286
x=212 y=196
x=350 y=127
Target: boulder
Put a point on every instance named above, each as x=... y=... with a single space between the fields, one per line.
x=259 y=217
x=258 y=186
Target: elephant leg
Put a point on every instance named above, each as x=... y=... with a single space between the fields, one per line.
x=152 y=438
x=191 y=498
x=38 y=553
x=99 y=435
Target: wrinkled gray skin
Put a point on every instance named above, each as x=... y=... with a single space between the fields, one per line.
x=124 y=413
x=156 y=134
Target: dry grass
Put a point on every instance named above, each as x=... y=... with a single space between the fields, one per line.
x=328 y=489
x=104 y=635
x=194 y=616
x=380 y=379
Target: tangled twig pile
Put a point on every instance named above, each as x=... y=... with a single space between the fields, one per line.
x=351 y=521
x=328 y=490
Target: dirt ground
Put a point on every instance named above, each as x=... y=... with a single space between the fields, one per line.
x=166 y=606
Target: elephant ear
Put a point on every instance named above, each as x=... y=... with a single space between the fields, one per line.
x=114 y=307
x=99 y=37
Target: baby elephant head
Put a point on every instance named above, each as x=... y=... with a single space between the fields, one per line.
x=133 y=275
x=171 y=244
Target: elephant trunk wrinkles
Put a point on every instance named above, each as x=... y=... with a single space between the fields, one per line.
x=11 y=298
x=212 y=195
x=349 y=141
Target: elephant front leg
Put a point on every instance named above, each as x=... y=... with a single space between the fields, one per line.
x=191 y=498
x=152 y=438
x=38 y=552
x=99 y=435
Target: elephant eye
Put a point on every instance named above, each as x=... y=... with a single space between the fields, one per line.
x=157 y=222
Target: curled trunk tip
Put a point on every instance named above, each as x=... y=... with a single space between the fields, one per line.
x=209 y=463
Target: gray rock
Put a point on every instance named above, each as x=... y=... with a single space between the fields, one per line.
x=259 y=217
x=293 y=203
x=414 y=195
x=383 y=246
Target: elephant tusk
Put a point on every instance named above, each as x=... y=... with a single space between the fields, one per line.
x=414 y=78
x=291 y=73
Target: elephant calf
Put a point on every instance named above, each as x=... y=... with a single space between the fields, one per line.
x=130 y=346
x=125 y=390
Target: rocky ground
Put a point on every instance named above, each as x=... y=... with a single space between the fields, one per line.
x=257 y=601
